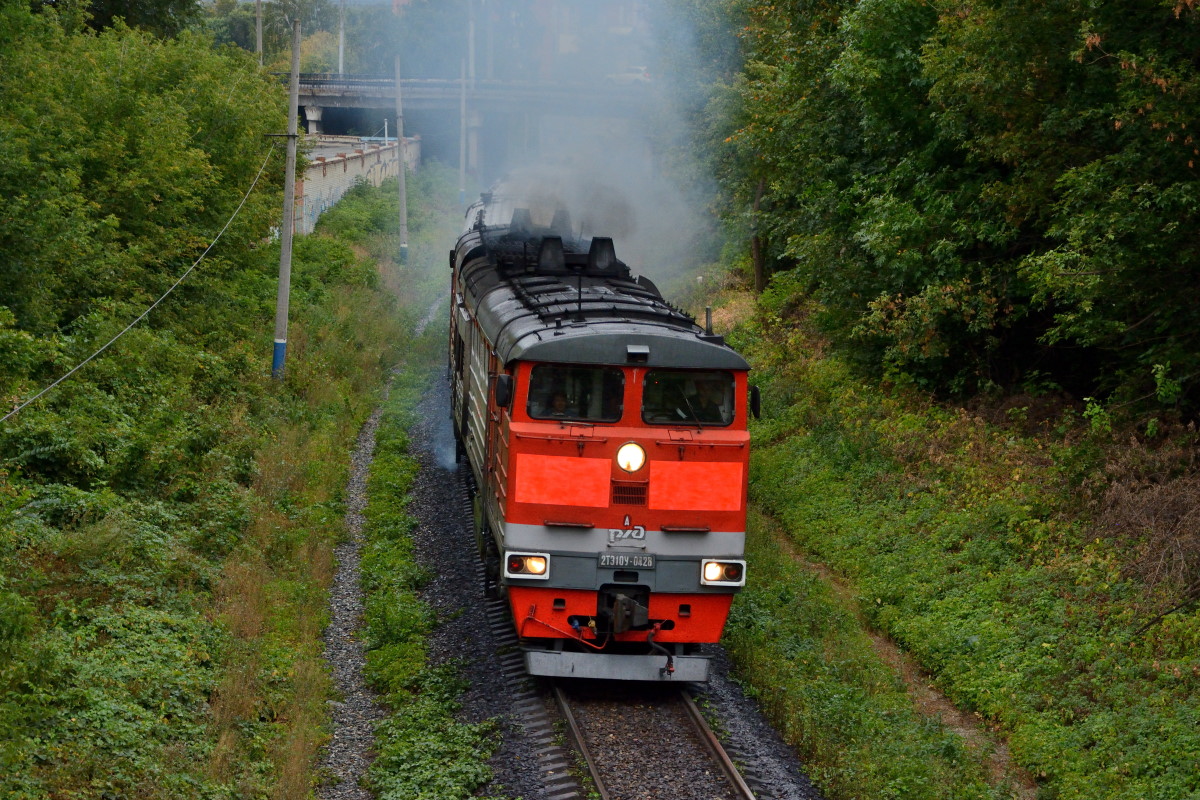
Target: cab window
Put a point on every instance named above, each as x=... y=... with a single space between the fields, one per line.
x=678 y=397
x=570 y=392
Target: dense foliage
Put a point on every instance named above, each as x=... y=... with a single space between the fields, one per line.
x=233 y=22
x=980 y=195
x=162 y=17
x=996 y=203
x=167 y=514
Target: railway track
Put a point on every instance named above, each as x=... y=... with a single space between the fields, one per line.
x=647 y=742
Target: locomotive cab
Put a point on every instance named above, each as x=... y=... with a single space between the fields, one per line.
x=606 y=433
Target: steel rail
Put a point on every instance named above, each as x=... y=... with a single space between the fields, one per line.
x=576 y=734
x=713 y=744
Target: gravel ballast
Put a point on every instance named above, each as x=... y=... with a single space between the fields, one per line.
x=348 y=754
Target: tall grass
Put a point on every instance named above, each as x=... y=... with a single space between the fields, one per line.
x=422 y=749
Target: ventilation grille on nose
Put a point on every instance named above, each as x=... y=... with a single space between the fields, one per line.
x=629 y=494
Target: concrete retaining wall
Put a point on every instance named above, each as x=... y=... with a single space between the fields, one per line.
x=337 y=163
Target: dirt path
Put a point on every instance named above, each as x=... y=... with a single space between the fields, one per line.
x=348 y=754
x=350 y=750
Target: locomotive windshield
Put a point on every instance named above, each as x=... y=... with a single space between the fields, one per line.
x=676 y=397
x=561 y=391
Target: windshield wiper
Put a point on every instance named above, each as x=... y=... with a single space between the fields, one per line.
x=692 y=411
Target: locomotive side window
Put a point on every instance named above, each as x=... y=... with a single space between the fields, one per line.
x=676 y=397
x=562 y=391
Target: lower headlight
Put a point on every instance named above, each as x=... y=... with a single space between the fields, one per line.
x=725 y=572
x=527 y=565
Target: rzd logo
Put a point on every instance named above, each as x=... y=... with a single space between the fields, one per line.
x=634 y=532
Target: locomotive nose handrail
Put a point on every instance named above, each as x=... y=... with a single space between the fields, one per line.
x=574 y=438
x=681 y=443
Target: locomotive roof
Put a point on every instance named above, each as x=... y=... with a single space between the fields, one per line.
x=542 y=295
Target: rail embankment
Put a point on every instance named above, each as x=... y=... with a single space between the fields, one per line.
x=162 y=616
x=1019 y=555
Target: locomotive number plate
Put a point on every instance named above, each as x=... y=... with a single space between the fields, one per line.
x=624 y=560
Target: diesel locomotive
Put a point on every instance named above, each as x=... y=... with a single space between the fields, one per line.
x=606 y=437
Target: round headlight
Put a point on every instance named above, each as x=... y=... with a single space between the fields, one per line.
x=631 y=457
x=713 y=570
x=535 y=564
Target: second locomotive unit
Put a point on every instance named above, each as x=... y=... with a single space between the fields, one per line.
x=606 y=437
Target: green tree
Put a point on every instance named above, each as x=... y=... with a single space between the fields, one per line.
x=1086 y=113
x=974 y=193
x=147 y=137
x=235 y=23
x=161 y=17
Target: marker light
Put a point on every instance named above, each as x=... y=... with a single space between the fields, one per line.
x=723 y=573
x=527 y=565
x=631 y=457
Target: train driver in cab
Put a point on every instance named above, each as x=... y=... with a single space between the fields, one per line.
x=558 y=406
x=710 y=401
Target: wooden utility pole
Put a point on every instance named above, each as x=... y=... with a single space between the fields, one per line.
x=289 y=213
x=258 y=30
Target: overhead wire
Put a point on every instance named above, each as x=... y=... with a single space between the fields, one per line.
x=153 y=305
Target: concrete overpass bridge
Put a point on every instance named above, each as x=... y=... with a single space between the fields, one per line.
x=504 y=119
x=379 y=91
